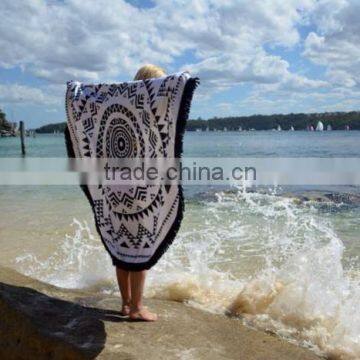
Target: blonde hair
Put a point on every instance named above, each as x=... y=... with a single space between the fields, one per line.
x=149 y=71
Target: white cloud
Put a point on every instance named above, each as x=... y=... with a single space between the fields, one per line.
x=335 y=43
x=104 y=39
x=75 y=39
x=231 y=43
x=231 y=69
x=271 y=73
x=21 y=94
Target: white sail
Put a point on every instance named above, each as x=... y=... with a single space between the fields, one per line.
x=279 y=128
x=329 y=128
x=292 y=128
x=319 y=126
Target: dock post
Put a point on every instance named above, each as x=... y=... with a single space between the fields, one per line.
x=22 y=137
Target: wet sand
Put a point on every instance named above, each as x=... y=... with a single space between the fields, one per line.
x=42 y=321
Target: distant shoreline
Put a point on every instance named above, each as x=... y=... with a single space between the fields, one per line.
x=329 y=121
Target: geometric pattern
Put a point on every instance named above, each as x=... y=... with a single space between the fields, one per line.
x=135 y=119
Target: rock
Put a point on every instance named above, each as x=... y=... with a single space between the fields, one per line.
x=40 y=321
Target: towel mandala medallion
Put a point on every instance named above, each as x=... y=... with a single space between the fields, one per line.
x=139 y=119
x=120 y=136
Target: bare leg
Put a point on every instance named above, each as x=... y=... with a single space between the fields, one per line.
x=123 y=278
x=137 y=310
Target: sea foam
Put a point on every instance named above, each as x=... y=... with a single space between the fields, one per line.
x=275 y=263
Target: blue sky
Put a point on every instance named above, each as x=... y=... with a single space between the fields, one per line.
x=251 y=56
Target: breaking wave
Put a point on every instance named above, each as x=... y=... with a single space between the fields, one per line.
x=276 y=263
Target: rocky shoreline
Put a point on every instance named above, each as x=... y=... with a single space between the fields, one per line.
x=41 y=321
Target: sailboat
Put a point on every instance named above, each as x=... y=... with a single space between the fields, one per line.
x=240 y=128
x=310 y=128
x=329 y=128
x=347 y=127
x=278 y=128
x=319 y=126
x=292 y=128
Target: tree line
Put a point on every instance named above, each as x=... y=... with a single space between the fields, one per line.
x=51 y=128
x=4 y=124
x=337 y=120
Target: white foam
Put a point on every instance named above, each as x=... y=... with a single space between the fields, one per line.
x=80 y=261
x=274 y=262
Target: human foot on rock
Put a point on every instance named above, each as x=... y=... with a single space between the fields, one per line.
x=142 y=314
x=125 y=310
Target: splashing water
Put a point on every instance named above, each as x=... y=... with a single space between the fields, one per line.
x=272 y=261
x=78 y=262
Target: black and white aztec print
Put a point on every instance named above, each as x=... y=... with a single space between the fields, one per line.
x=144 y=119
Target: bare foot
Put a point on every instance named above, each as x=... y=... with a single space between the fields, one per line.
x=125 y=310
x=142 y=314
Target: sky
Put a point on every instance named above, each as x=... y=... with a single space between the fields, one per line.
x=252 y=56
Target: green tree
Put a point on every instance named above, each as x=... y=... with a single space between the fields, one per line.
x=337 y=120
x=4 y=124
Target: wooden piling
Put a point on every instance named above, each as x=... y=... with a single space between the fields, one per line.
x=22 y=137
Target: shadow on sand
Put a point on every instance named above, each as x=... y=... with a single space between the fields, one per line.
x=33 y=324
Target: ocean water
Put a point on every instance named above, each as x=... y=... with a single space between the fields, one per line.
x=285 y=260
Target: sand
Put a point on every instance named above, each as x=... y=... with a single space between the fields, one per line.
x=41 y=321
